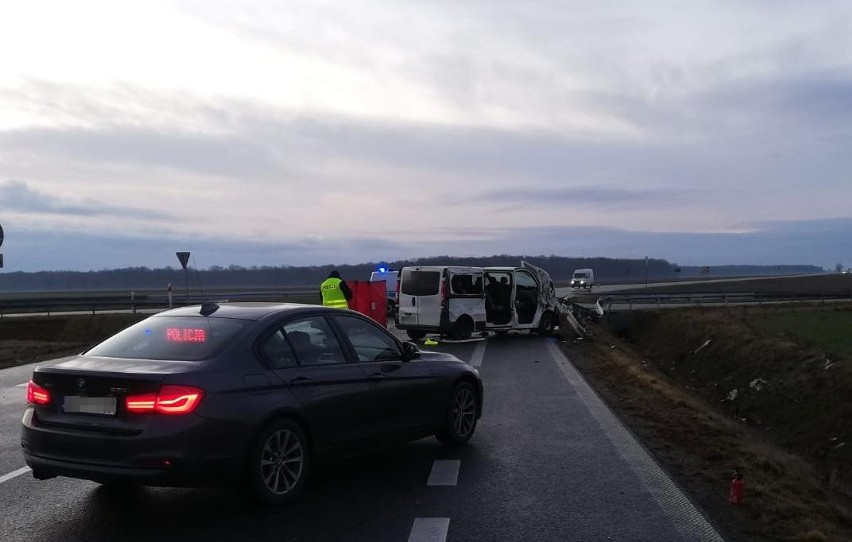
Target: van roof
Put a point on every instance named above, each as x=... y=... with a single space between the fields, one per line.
x=456 y=268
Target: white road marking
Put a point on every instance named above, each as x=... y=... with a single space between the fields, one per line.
x=14 y=474
x=685 y=517
x=445 y=472
x=429 y=530
x=22 y=385
x=478 y=354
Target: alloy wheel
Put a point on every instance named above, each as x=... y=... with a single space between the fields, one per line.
x=282 y=462
x=464 y=412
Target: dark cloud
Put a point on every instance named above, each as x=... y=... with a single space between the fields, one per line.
x=17 y=196
x=585 y=196
x=822 y=243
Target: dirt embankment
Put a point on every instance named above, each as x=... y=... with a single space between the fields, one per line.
x=709 y=390
x=28 y=339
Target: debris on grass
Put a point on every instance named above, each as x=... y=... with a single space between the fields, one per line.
x=703 y=346
x=757 y=384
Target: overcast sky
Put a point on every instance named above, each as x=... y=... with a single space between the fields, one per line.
x=266 y=132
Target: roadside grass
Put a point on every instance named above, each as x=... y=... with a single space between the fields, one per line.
x=29 y=339
x=827 y=328
x=788 y=429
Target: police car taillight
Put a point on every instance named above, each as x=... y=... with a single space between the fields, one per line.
x=36 y=395
x=169 y=400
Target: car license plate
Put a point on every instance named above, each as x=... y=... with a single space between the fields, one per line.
x=89 y=405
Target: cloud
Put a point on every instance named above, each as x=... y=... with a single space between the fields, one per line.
x=584 y=196
x=474 y=126
x=18 y=197
x=197 y=152
x=822 y=242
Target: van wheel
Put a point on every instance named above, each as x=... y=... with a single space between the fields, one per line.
x=463 y=328
x=546 y=324
x=415 y=334
x=391 y=309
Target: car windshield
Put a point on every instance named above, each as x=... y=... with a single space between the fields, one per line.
x=178 y=338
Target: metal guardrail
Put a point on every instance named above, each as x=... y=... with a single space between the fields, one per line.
x=94 y=304
x=648 y=300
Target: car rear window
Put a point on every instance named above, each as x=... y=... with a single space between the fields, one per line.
x=420 y=283
x=178 y=338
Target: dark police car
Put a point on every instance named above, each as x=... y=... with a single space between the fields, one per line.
x=251 y=392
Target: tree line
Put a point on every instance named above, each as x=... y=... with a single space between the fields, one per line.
x=237 y=276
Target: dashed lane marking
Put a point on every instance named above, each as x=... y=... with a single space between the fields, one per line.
x=429 y=530
x=14 y=474
x=24 y=385
x=445 y=472
x=478 y=354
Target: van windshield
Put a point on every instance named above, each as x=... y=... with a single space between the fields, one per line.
x=580 y=275
x=420 y=283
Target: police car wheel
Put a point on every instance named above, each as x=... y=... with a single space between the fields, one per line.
x=460 y=417
x=279 y=462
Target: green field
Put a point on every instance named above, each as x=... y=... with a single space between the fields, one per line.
x=827 y=328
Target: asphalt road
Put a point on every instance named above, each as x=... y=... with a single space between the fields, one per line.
x=548 y=462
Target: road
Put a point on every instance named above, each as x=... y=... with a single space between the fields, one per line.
x=548 y=462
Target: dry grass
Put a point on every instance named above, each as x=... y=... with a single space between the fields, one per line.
x=670 y=397
x=25 y=340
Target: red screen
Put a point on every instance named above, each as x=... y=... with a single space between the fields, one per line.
x=185 y=335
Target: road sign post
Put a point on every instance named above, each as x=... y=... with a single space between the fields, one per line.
x=183 y=257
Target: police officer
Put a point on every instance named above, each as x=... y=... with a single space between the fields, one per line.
x=335 y=292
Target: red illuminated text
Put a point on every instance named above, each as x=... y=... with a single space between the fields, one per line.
x=185 y=335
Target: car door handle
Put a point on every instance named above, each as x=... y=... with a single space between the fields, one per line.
x=300 y=381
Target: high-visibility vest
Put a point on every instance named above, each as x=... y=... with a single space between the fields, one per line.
x=332 y=295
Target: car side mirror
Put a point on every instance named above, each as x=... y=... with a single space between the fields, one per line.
x=410 y=351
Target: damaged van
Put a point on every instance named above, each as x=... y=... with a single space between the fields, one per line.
x=457 y=301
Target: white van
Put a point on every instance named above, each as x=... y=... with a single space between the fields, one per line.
x=583 y=278
x=441 y=299
x=390 y=278
x=456 y=301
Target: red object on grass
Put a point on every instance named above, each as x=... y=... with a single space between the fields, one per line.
x=370 y=299
x=735 y=495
